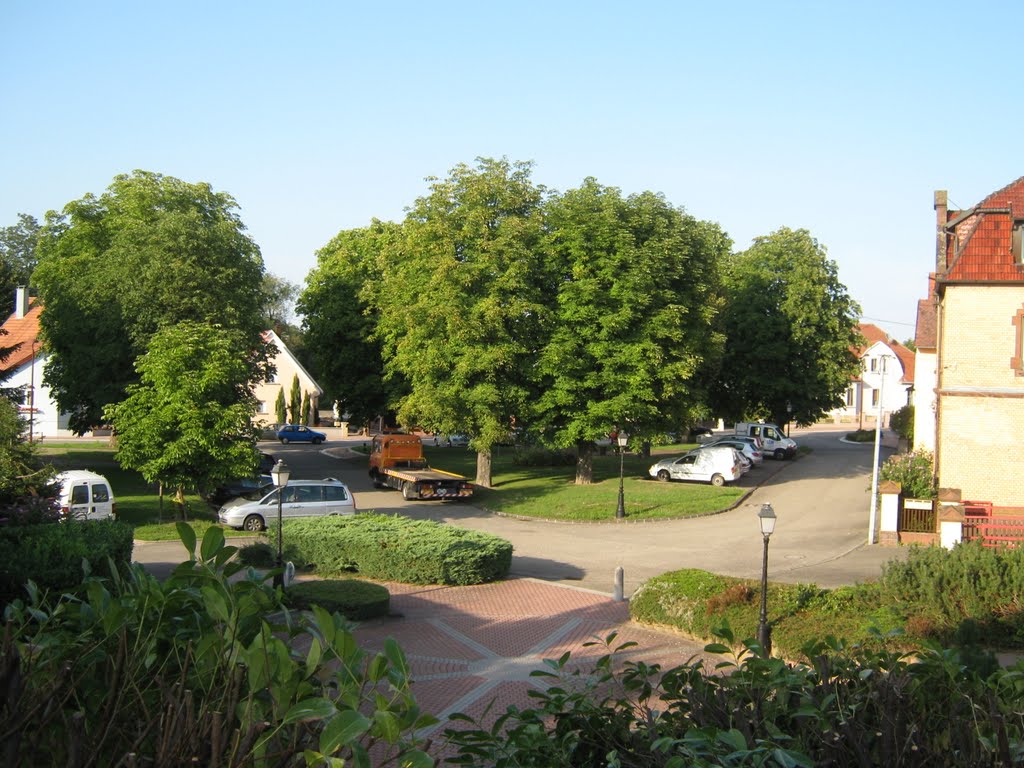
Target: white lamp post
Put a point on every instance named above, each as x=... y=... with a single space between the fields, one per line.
x=874 y=467
x=280 y=474
x=766 y=517
x=623 y=440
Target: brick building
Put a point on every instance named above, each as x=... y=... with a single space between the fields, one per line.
x=969 y=398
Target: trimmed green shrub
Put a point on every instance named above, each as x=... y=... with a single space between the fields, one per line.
x=396 y=549
x=861 y=436
x=913 y=471
x=538 y=456
x=51 y=554
x=850 y=708
x=941 y=589
x=352 y=598
x=206 y=668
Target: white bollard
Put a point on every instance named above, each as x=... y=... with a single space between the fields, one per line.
x=619 y=578
x=289 y=574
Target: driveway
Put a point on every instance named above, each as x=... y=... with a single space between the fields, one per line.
x=822 y=501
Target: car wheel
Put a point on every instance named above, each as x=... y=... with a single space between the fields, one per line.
x=664 y=476
x=284 y=441
x=717 y=480
x=253 y=523
x=779 y=454
x=317 y=441
x=407 y=492
x=375 y=479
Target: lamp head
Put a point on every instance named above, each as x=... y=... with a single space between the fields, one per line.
x=623 y=439
x=280 y=473
x=767 y=519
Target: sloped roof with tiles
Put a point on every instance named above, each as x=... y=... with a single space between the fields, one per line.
x=983 y=238
x=22 y=331
x=873 y=335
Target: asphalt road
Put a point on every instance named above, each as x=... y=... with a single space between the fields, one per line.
x=822 y=501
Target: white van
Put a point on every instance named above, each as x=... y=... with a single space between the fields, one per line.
x=774 y=442
x=715 y=464
x=85 y=495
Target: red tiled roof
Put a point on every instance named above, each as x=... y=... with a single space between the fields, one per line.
x=23 y=331
x=985 y=253
x=927 y=318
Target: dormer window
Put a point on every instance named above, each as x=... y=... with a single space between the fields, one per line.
x=1017 y=242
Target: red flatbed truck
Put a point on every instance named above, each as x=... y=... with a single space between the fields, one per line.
x=397 y=461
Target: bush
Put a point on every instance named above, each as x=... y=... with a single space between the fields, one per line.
x=396 y=549
x=913 y=471
x=351 y=598
x=52 y=554
x=861 y=436
x=942 y=589
x=902 y=422
x=851 y=707
x=206 y=668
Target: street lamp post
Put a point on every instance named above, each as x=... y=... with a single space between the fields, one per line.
x=622 y=438
x=280 y=474
x=764 y=631
x=874 y=465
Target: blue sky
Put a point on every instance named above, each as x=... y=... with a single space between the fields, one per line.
x=319 y=116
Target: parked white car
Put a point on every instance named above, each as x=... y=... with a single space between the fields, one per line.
x=85 y=495
x=302 y=498
x=717 y=465
x=745 y=447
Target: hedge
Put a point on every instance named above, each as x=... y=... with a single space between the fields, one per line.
x=352 y=598
x=51 y=554
x=396 y=549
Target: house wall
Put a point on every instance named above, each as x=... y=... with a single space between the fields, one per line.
x=981 y=397
x=925 y=381
x=47 y=421
x=287 y=367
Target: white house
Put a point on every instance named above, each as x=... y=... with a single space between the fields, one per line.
x=886 y=379
x=288 y=367
x=26 y=364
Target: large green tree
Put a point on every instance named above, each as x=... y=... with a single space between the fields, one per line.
x=462 y=303
x=635 y=285
x=18 y=256
x=791 y=328
x=113 y=270
x=187 y=423
x=340 y=309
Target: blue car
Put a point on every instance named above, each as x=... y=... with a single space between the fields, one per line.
x=296 y=433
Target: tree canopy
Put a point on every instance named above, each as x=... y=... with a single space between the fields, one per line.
x=114 y=270
x=340 y=314
x=462 y=303
x=18 y=256
x=187 y=422
x=791 y=329
x=634 y=285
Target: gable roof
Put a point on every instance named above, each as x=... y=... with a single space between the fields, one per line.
x=282 y=349
x=875 y=335
x=981 y=239
x=22 y=331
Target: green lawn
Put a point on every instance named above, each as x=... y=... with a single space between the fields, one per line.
x=551 y=493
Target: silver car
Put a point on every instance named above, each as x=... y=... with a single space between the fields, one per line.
x=717 y=465
x=301 y=498
x=745 y=448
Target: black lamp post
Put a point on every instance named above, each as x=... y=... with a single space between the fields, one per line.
x=623 y=439
x=280 y=474
x=764 y=632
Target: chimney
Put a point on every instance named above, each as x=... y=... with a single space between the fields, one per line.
x=941 y=217
x=20 y=301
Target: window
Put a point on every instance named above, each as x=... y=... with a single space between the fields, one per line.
x=850 y=396
x=261 y=407
x=1017 y=361
x=1017 y=242
x=334 y=493
x=874 y=397
x=100 y=493
x=874 y=364
x=80 y=494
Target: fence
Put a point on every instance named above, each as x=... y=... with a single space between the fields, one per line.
x=991 y=525
x=917 y=516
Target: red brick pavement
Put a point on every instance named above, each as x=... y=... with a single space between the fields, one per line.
x=470 y=646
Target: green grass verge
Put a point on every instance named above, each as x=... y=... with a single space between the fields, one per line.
x=550 y=493
x=698 y=603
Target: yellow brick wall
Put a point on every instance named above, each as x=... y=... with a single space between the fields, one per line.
x=977 y=430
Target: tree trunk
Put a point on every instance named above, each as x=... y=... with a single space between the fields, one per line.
x=483 y=468
x=645 y=449
x=584 y=462
x=179 y=499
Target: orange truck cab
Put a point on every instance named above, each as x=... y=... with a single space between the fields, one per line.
x=397 y=461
